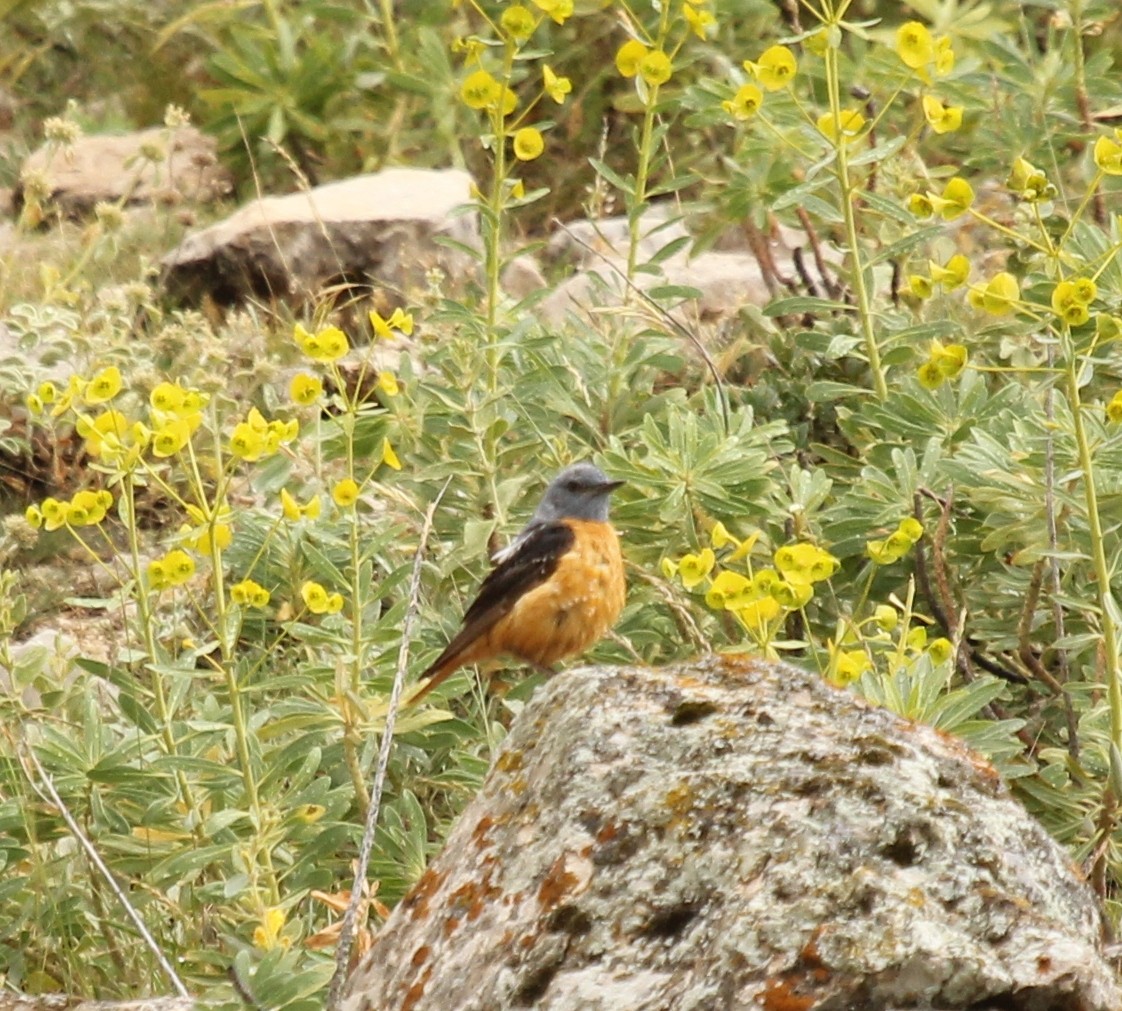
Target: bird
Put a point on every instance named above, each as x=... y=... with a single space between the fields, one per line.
x=553 y=591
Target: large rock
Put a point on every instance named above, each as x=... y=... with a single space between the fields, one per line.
x=151 y=165
x=379 y=229
x=734 y=835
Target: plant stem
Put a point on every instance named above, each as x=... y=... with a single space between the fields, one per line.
x=857 y=267
x=1106 y=602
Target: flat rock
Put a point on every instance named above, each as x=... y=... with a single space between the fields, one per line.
x=732 y=834
x=108 y=167
x=379 y=229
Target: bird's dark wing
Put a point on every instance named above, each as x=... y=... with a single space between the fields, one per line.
x=528 y=562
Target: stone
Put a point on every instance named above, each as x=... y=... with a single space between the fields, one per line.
x=380 y=229
x=107 y=168
x=736 y=834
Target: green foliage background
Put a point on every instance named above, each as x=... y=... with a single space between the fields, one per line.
x=221 y=762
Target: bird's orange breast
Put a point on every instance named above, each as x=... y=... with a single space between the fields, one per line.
x=574 y=607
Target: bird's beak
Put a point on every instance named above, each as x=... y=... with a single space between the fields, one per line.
x=612 y=485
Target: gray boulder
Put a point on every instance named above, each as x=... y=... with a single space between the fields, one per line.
x=380 y=229
x=729 y=835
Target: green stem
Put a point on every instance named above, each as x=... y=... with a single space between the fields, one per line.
x=1098 y=549
x=857 y=271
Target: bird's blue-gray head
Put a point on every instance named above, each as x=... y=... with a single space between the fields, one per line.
x=579 y=492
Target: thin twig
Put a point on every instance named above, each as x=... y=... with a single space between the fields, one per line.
x=346 y=933
x=94 y=857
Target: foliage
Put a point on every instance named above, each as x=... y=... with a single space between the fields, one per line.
x=914 y=494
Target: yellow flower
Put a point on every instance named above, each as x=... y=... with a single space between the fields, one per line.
x=941 y=118
x=917 y=638
x=34 y=516
x=180 y=566
x=247 y=593
x=399 y=320
x=998 y=297
x=517 y=22
x=34 y=403
x=88 y=508
x=699 y=20
x=104 y=434
x=1071 y=298
x=169 y=439
x=1113 y=415
x=305 y=389
x=1108 y=155
x=174 y=569
x=803 y=562
x=885 y=552
x=956 y=199
x=920 y=286
x=886 y=617
x=315 y=597
x=629 y=56
x=920 y=205
x=847 y=666
x=944 y=56
x=949 y=359
x=655 y=68
x=730 y=591
x=914 y=45
x=850 y=121
x=757 y=613
x=556 y=87
x=74 y=387
x=290 y=508
x=104 y=386
x=694 y=568
x=911 y=528
x=930 y=378
x=775 y=69
x=480 y=90
x=248 y=443
x=745 y=103
x=559 y=10
x=389 y=457
x=47 y=392
x=719 y=536
x=528 y=143
x=940 y=650
x=387 y=383
x=346 y=492
x=334 y=603
x=267 y=935
x=54 y=513
x=167 y=398
x=332 y=344
x=952 y=274
x=1029 y=182
x=792 y=595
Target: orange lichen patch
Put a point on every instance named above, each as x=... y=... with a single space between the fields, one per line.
x=607 y=833
x=679 y=800
x=450 y=925
x=416 y=991
x=509 y=761
x=568 y=876
x=810 y=961
x=482 y=827
x=1043 y=964
x=557 y=884
x=417 y=901
x=420 y=956
x=779 y=995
